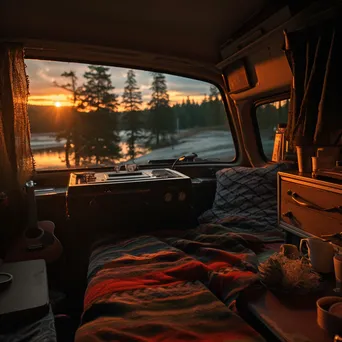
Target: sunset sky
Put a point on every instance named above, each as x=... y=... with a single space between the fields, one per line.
x=42 y=74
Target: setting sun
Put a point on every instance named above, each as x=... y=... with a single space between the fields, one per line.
x=57 y=104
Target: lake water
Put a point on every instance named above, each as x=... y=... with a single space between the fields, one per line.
x=54 y=157
x=211 y=144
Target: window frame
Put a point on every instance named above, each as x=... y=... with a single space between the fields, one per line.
x=53 y=174
x=274 y=98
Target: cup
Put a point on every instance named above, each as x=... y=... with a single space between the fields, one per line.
x=289 y=251
x=338 y=272
x=304 y=155
x=326 y=319
x=329 y=151
x=323 y=163
x=315 y=164
x=320 y=254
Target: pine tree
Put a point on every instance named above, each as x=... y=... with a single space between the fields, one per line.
x=132 y=100
x=189 y=112
x=213 y=93
x=162 y=121
x=217 y=111
x=97 y=92
x=206 y=112
x=71 y=131
x=99 y=121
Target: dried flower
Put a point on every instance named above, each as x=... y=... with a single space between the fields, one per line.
x=283 y=274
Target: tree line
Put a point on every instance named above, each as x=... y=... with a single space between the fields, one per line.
x=91 y=126
x=270 y=115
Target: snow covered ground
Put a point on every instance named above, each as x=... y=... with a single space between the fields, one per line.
x=208 y=144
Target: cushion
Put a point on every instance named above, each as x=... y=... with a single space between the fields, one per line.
x=246 y=193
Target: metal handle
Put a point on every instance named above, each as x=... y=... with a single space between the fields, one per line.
x=303 y=243
x=292 y=218
x=304 y=203
x=288 y=214
x=336 y=236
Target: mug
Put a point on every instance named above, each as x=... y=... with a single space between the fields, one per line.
x=326 y=319
x=304 y=154
x=320 y=254
x=289 y=251
x=338 y=272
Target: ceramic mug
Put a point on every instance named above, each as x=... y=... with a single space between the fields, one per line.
x=290 y=251
x=326 y=319
x=304 y=154
x=320 y=253
x=338 y=272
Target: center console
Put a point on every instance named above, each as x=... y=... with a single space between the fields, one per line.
x=144 y=199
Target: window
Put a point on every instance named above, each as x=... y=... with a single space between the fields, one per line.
x=269 y=116
x=86 y=115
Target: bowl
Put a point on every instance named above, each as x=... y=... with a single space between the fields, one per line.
x=5 y=280
x=327 y=320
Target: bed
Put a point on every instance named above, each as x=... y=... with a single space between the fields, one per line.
x=178 y=285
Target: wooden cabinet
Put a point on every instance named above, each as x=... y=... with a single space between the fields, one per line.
x=309 y=206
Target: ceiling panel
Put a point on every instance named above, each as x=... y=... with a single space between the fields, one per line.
x=181 y=28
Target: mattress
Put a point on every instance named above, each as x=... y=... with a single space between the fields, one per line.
x=178 y=285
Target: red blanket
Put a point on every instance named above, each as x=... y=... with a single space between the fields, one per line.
x=145 y=289
x=180 y=311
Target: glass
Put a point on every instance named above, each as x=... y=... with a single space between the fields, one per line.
x=87 y=116
x=269 y=116
x=338 y=272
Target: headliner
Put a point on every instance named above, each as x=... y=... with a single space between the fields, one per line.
x=185 y=29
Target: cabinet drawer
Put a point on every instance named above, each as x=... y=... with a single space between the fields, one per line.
x=313 y=208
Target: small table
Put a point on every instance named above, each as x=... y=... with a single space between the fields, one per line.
x=290 y=318
x=27 y=297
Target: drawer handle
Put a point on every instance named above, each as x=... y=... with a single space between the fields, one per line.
x=288 y=214
x=336 y=236
x=302 y=202
x=292 y=218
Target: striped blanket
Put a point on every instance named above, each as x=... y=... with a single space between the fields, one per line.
x=173 y=286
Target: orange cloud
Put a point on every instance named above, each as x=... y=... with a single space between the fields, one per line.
x=50 y=100
x=66 y=100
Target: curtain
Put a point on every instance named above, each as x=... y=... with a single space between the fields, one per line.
x=16 y=161
x=15 y=152
x=314 y=55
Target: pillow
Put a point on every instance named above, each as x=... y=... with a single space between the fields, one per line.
x=246 y=193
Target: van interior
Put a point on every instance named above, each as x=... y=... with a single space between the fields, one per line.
x=170 y=171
